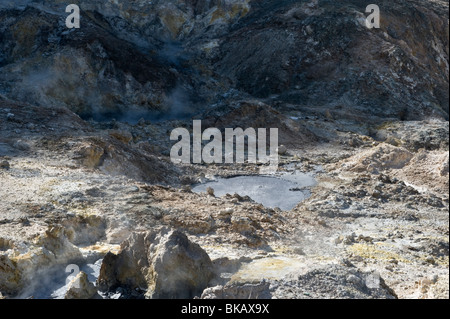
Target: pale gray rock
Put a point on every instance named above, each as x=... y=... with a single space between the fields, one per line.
x=81 y=288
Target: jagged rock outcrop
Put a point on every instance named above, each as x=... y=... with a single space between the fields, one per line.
x=22 y=273
x=165 y=264
x=81 y=288
x=125 y=62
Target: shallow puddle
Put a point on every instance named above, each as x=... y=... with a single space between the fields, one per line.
x=284 y=192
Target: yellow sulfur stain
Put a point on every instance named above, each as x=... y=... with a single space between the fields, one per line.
x=268 y=268
x=371 y=252
x=102 y=248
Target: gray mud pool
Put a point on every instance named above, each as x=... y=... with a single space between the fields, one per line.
x=284 y=192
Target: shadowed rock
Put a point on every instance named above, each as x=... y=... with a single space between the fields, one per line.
x=166 y=264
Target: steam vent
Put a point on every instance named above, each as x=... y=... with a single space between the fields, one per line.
x=224 y=149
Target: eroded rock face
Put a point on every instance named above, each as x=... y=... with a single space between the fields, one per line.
x=334 y=282
x=341 y=95
x=323 y=46
x=174 y=58
x=255 y=114
x=165 y=264
x=94 y=74
x=125 y=62
x=21 y=273
x=114 y=157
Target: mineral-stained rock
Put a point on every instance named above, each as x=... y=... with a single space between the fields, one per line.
x=9 y=275
x=112 y=156
x=91 y=155
x=382 y=157
x=165 y=263
x=22 y=271
x=81 y=288
x=415 y=135
x=238 y=291
x=123 y=136
x=242 y=224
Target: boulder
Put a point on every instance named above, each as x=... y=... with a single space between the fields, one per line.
x=164 y=263
x=81 y=288
x=282 y=150
x=22 y=274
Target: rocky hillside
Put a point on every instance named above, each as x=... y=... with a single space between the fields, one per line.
x=177 y=58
